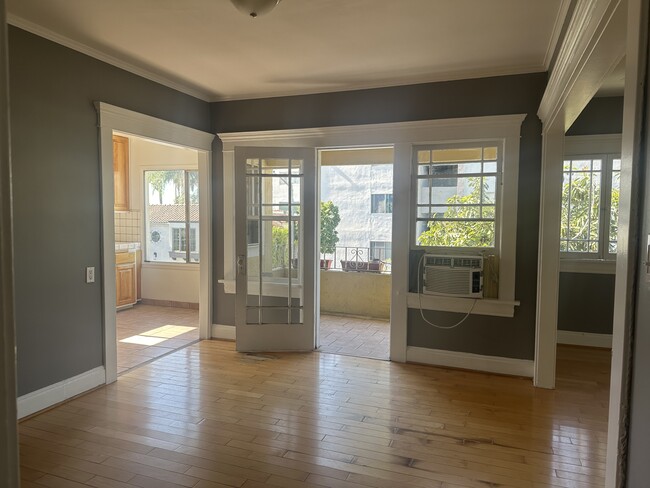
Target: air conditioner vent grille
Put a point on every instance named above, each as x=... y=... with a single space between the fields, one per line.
x=459 y=276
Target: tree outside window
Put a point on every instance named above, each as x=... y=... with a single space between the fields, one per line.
x=590 y=196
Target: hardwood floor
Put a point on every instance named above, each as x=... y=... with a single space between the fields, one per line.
x=364 y=338
x=208 y=417
x=145 y=332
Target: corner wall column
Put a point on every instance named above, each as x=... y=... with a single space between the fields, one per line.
x=548 y=267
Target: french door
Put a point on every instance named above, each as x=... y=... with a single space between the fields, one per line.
x=275 y=214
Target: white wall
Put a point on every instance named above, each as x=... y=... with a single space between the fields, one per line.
x=175 y=282
x=161 y=281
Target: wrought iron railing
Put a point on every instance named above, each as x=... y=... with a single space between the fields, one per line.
x=359 y=259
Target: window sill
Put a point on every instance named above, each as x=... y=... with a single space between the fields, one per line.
x=484 y=306
x=270 y=289
x=592 y=266
x=169 y=266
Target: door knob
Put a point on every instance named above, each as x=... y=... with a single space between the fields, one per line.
x=241 y=265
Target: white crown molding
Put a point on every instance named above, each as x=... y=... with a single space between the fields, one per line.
x=555 y=34
x=59 y=392
x=41 y=31
x=589 y=20
x=414 y=132
x=466 y=360
x=586 y=339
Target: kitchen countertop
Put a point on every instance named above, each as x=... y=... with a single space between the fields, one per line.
x=127 y=246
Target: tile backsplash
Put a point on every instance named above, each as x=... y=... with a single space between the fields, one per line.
x=128 y=226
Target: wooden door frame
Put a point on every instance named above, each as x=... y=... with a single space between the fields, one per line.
x=112 y=118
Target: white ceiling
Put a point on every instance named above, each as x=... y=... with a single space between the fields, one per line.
x=209 y=49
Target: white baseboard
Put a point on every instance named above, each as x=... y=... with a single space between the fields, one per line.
x=466 y=360
x=226 y=332
x=584 y=339
x=51 y=395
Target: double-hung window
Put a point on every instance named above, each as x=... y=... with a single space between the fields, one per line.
x=457 y=195
x=590 y=192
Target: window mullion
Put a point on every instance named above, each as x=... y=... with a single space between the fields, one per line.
x=606 y=203
x=568 y=211
x=187 y=217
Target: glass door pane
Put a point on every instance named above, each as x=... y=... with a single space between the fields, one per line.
x=273 y=252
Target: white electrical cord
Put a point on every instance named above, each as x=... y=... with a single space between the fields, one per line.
x=422 y=311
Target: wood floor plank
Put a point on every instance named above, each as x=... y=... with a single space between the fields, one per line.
x=209 y=417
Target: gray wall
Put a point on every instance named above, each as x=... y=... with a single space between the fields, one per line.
x=603 y=115
x=639 y=430
x=57 y=197
x=586 y=302
x=466 y=98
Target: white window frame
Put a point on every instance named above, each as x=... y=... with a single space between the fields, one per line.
x=606 y=147
x=498 y=196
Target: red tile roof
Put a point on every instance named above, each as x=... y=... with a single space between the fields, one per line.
x=161 y=214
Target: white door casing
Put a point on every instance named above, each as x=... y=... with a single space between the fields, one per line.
x=112 y=118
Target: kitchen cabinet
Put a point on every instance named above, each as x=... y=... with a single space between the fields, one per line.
x=121 y=172
x=125 y=279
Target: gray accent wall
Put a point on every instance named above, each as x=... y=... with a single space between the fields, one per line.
x=511 y=337
x=57 y=201
x=586 y=302
x=602 y=115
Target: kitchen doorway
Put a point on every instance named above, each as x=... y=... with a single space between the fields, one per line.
x=157 y=236
x=156 y=212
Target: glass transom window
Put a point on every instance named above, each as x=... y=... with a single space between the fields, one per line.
x=457 y=195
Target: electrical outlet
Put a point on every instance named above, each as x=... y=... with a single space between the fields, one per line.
x=90 y=274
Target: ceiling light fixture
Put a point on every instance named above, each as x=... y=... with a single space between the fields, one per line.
x=255 y=8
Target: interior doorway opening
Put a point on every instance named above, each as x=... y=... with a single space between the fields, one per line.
x=157 y=248
x=355 y=247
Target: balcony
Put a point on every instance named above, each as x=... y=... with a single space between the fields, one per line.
x=355 y=281
x=360 y=259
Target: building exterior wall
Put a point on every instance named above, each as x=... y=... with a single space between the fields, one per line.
x=350 y=188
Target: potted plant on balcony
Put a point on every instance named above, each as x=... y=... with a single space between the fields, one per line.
x=329 y=237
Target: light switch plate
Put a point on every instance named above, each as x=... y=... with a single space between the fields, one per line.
x=90 y=274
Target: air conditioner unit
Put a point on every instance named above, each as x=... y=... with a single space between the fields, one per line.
x=453 y=276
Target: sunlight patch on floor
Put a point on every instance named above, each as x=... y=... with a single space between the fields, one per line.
x=158 y=335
